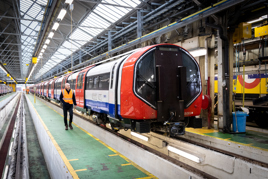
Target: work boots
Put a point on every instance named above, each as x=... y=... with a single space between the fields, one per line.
x=70 y=125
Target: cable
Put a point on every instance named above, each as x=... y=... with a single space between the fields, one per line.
x=71 y=9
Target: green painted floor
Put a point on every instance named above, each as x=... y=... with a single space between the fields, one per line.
x=5 y=96
x=250 y=138
x=37 y=163
x=89 y=157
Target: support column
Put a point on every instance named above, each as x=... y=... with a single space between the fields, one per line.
x=211 y=73
x=231 y=62
x=109 y=40
x=220 y=83
x=139 y=22
x=80 y=56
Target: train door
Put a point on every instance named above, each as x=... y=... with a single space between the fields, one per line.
x=162 y=78
x=80 y=89
x=63 y=83
x=112 y=91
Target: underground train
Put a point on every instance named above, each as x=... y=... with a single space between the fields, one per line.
x=4 y=89
x=148 y=89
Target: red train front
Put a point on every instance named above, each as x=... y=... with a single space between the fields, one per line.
x=161 y=83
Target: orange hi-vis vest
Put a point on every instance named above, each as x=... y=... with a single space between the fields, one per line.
x=68 y=98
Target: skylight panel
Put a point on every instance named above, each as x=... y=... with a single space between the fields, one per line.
x=68 y=45
x=65 y=51
x=133 y=3
x=111 y=10
x=25 y=5
x=105 y=14
x=24 y=22
x=80 y=35
x=34 y=10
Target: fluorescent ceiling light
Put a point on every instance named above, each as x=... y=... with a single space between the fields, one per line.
x=259 y=19
x=3 y=69
x=47 y=41
x=68 y=1
x=55 y=26
x=61 y=14
x=198 y=52
x=184 y=154
x=51 y=34
x=45 y=46
x=43 y=50
x=139 y=136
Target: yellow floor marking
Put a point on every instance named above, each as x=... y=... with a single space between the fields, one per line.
x=113 y=155
x=80 y=170
x=149 y=177
x=72 y=160
x=122 y=156
x=64 y=158
x=126 y=164
x=200 y=131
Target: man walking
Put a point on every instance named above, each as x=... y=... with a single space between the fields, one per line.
x=67 y=98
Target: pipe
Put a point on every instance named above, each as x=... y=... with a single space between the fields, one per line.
x=206 y=59
x=226 y=78
x=209 y=107
x=207 y=79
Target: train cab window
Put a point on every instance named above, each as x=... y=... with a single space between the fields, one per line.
x=96 y=82
x=104 y=81
x=145 y=85
x=193 y=81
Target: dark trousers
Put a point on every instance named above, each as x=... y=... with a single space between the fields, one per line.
x=68 y=107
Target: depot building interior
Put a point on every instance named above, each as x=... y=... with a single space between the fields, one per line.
x=163 y=88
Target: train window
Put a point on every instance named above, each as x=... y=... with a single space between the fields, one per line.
x=63 y=82
x=104 y=81
x=193 y=80
x=112 y=77
x=80 y=81
x=145 y=79
x=96 y=82
x=90 y=83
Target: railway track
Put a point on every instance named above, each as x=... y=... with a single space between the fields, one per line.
x=171 y=158
x=7 y=136
x=149 y=149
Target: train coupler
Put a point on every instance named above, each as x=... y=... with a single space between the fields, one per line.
x=176 y=128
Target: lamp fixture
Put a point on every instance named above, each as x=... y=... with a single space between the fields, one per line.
x=198 y=52
x=47 y=41
x=62 y=14
x=69 y=2
x=184 y=154
x=55 y=26
x=51 y=34
x=139 y=136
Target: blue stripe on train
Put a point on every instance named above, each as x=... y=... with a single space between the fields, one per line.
x=102 y=107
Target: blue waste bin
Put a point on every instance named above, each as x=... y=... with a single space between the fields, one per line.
x=241 y=121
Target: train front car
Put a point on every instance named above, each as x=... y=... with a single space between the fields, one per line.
x=160 y=86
